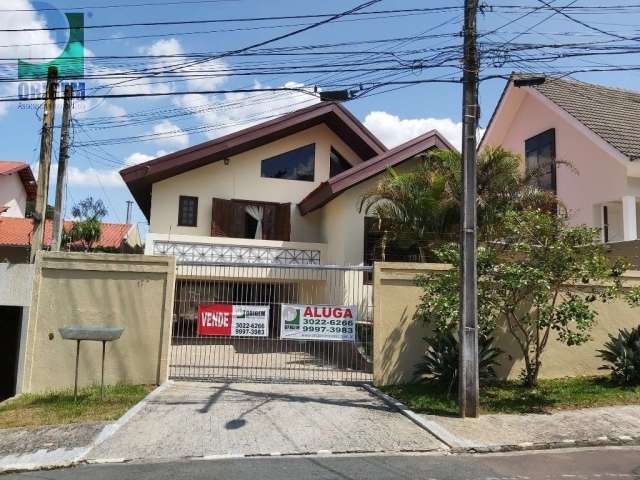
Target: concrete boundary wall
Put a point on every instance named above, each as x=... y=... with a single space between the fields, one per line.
x=398 y=337
x=133 y=291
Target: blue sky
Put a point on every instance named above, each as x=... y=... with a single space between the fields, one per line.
x=394 y=115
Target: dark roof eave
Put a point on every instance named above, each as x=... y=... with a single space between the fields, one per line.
x=329 y=190
x=140 y=177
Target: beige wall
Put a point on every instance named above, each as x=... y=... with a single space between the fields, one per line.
x=398 y=344
x=241 y=180
x=343 y=222
x=133 y=291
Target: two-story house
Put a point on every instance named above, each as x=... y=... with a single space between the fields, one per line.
x=588 y=136
x=281 y=192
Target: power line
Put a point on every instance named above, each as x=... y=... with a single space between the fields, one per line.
x=327 y=16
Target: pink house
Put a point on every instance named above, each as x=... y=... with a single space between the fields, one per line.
x=592 y=127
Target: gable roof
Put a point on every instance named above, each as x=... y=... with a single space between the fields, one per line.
x=25 y=173
x=17 y=232
x=327 y=191
x=613 y=114
x=139 y=178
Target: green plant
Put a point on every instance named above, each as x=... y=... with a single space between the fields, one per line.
x=622 y=353
x=543 y=278
x=87 y=225
x=441 y=358
x=422 y=206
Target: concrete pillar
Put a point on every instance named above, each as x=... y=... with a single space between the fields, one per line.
x=629 y=222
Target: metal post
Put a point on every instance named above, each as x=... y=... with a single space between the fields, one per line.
x=102 y=373
x=75 y=383
x=58 y=214
x=46 y=137
x=468 y=371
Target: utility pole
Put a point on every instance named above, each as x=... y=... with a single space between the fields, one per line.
x=46 y=138
x=58 y=212
x=468 y=394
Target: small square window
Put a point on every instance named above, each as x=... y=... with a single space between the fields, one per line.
x=188 y=211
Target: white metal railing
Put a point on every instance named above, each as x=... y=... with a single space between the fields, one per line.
x=236 y=254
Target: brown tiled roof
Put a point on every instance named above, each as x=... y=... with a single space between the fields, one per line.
x=25 y=173
x=139 y=178
x=327 y=191
x=18 y=232
x=611 y=113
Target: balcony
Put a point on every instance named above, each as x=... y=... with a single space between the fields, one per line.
x=198 y=249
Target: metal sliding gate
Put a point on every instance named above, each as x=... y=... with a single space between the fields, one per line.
x=256 y=350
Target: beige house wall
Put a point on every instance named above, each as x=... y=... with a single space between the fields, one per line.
x=398 y=337
x=241 y=179
x=132 y=291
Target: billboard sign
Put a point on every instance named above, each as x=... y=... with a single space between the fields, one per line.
x=318 y=322
x=226 y=320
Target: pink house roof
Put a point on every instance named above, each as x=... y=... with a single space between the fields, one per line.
x=17 y=232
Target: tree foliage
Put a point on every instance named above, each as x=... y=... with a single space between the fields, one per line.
x=87 y=224
x=424 y=204
x=544 y=277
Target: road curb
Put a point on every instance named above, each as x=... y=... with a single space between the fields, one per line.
x=443 y=435
x=620 y=441
x=458 y=445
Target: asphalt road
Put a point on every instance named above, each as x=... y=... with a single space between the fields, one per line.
x=604 y=463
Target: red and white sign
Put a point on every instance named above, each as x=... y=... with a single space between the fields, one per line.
x=226 y=320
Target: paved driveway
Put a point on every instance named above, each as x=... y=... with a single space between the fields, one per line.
x=203 y=419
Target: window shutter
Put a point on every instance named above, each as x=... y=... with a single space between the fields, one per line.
x=222 y=213
x=283 y=222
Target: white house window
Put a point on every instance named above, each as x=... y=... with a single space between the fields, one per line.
x=540 y=157
x=298 y=164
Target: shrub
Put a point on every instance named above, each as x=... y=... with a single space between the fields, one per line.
x=441 y=357
x=622 y=352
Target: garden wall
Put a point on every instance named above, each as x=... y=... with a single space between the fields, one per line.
x=132 y=291
x=398 y=337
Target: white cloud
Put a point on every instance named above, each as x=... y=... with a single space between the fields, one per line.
x=170 y=134
x=34 y=44
x=139 y=157
x=393 y=130
x=249 y=108
x=169 y=46
x=89 y=177
x=213 y=72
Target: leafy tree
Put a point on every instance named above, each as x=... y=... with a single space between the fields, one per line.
x=544 y=277
x=423 y=205
x=87 y=224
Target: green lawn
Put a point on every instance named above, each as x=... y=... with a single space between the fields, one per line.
x=58 y=408
x=510 y=397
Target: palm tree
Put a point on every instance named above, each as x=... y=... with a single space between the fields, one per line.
x=424 y=205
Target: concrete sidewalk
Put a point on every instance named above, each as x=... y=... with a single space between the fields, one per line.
x=606 y=425
x=209 y=420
